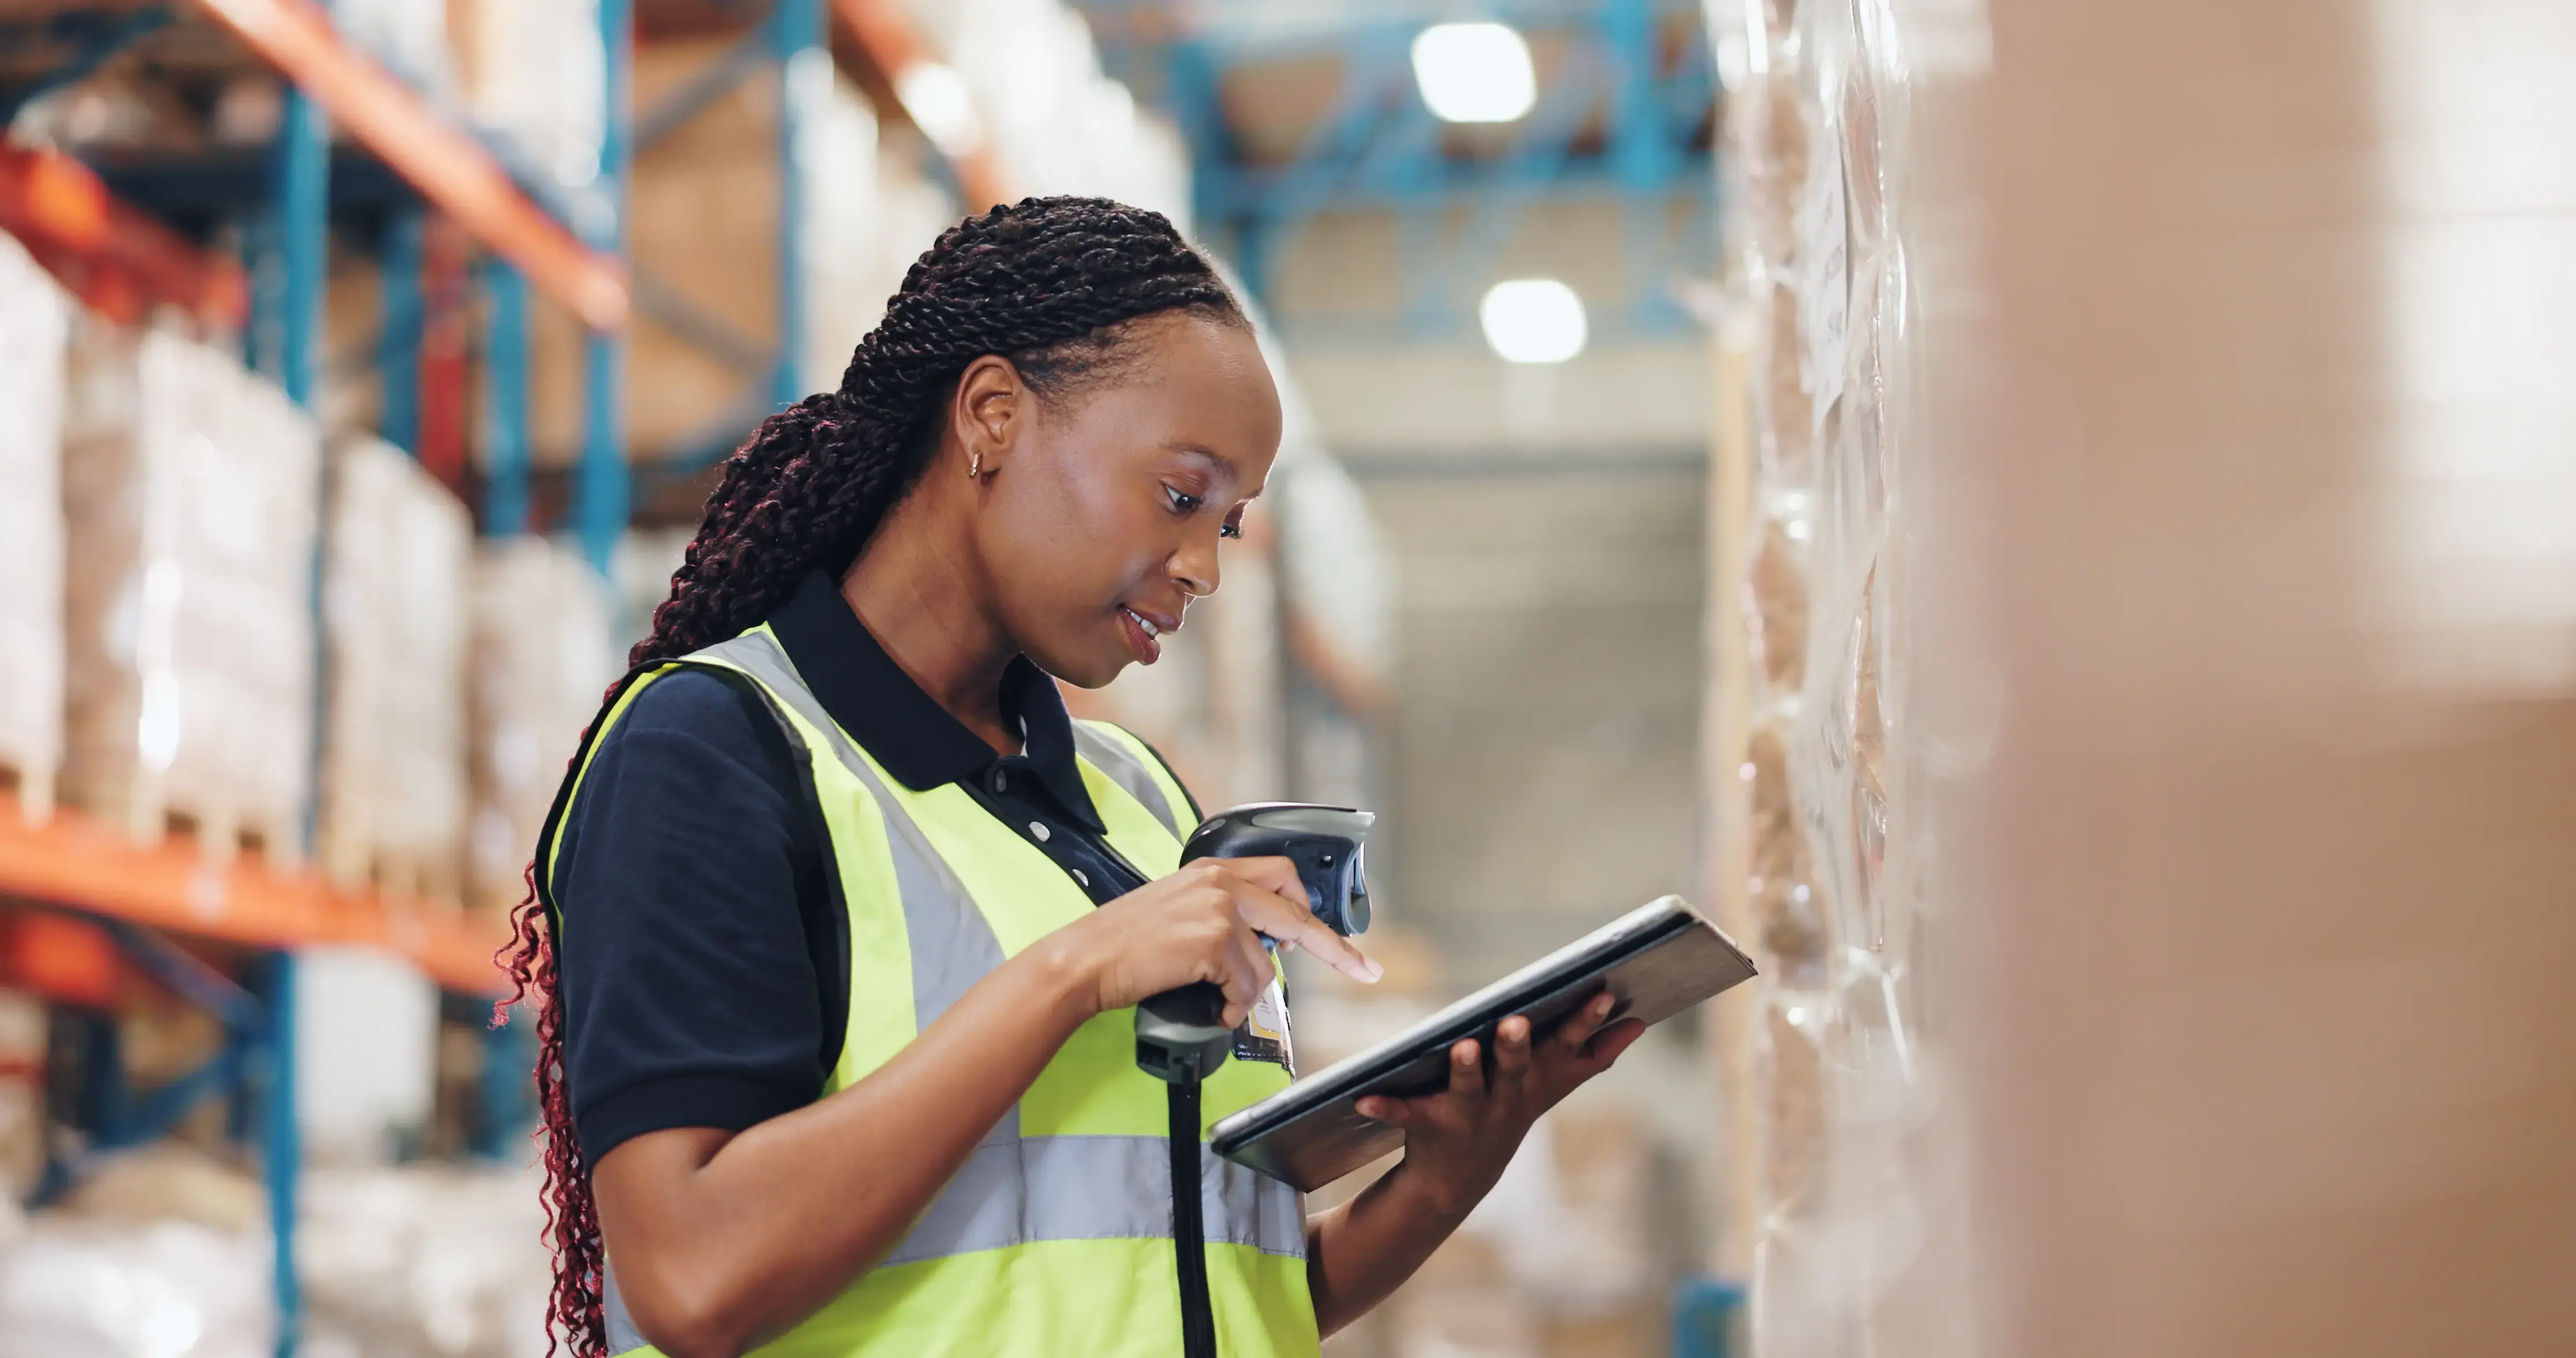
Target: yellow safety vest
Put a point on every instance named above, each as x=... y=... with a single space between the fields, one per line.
x=1056 y=1235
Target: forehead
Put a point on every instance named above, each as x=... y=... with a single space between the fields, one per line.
x=1189 y=383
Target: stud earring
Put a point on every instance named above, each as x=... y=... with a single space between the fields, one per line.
x=975 y=466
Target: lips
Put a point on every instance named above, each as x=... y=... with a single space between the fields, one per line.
x=1144 y=632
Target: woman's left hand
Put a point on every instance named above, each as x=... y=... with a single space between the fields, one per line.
x=1456 y=1142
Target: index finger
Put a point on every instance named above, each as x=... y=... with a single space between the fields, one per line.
x=1286 y=919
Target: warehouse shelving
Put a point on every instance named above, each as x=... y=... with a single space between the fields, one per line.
x=453 y=171
x=140 y=899
x=118 y=259
x=72 y=860
x=420 y=179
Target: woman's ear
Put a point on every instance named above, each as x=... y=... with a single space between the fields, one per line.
x=989 y=413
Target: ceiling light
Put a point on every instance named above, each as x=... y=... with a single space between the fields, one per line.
x=1474 y=73
x=1533 y=320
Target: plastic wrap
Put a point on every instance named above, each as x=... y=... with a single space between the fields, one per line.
x=542 y=659
x=34 y=318
x=1058 y=124
x=409 y=36
x=156 y=1253
x=1814 y=111
x=534 y=71
x=423 y=1261
x=398 y=560
x=189 y=493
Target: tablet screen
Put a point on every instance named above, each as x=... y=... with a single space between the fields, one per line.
x=1659 y=959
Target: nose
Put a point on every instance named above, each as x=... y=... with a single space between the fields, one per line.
x=1194 y=567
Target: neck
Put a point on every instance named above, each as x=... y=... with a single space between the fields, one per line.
x=912 y=591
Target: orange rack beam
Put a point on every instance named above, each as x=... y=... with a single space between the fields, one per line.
x=119 y=260
x=74 y=861
x=449 y=168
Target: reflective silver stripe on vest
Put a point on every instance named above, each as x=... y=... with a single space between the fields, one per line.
x=1096 y=1188
x=1127 y=771
x=1016 y=1190
x=952 y=944
x=623 y=1337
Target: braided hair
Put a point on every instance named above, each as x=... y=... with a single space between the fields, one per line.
x=1048 y=283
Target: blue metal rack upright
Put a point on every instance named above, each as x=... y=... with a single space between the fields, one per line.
x=1377 y=146
x=601 y=492
x=300 y=204
x=286 y=214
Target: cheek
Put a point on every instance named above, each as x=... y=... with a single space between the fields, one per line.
x=1063 y=542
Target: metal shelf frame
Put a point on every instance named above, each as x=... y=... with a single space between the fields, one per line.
x=138 y=893
x=1377 y=146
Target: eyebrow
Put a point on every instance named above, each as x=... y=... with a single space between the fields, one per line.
x=1202 y=451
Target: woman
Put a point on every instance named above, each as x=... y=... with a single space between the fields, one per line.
x=839 y=919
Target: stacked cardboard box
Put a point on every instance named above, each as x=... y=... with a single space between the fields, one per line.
x=398 y=563
x=542 y=659
x=190 y=490
x=34 y=317
x=705 y=219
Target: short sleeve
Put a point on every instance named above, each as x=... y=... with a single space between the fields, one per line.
x=687 y=879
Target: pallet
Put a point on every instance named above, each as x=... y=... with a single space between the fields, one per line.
x=223 y=833
x=221 y=829
x=434 y=881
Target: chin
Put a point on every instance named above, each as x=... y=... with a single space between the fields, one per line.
x=1085 y=672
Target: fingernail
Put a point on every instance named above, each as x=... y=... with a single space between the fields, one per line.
x=1376 y=973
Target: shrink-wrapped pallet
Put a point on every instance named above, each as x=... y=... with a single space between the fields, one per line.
x=410 y=37
x=423 y=1261
x=399 y=566
x=189 y=493
x=543 y=657
x=1846 y=1075
x=535 y=72
x=34 y=317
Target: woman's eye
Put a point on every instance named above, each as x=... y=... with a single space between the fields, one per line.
x=1181 y=503
x=1231 y=530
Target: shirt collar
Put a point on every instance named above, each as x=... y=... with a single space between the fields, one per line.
x=907 y=731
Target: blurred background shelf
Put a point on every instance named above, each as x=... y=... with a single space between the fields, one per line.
x=378 y=356
x=172 y=884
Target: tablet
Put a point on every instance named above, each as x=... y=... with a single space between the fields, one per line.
x=1659 y=959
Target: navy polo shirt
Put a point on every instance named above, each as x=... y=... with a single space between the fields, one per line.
x=704 y=958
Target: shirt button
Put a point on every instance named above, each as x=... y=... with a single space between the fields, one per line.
x=1038 y=828
x=1080 y=880
x=1001 y=781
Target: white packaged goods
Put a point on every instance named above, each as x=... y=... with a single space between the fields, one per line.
x=366 y=1053
x=399 y=557
x=1056 y=123
x=845 y=248
x=1843 y=1069
x=543 y=658
x=189 y=493
x=534 y=71
x=34 y=318
x=423 y=1262
x=408 y=36
x=170 y=1289
x=156 y=1253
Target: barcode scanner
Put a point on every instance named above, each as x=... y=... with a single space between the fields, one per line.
x=1181 y=1035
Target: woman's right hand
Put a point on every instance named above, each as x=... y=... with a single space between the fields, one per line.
x=1202 y=923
